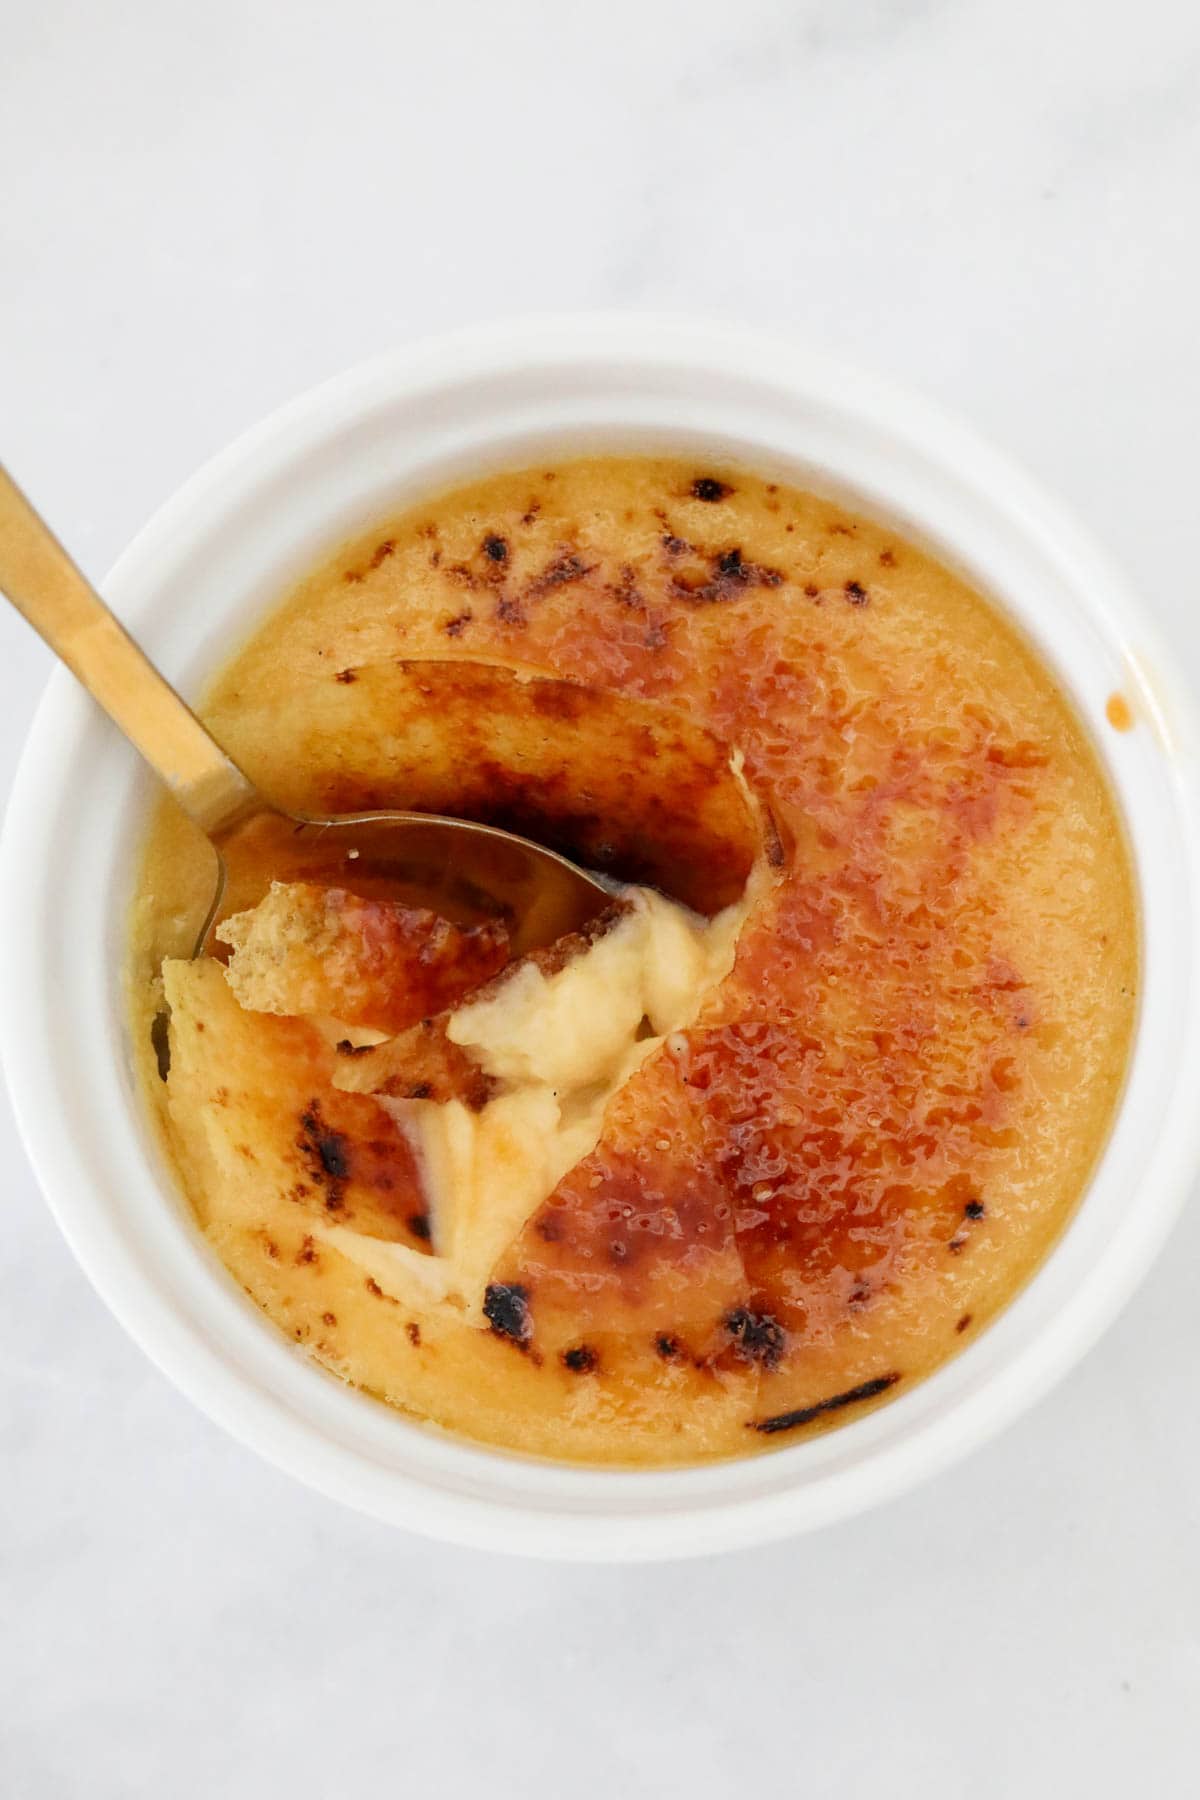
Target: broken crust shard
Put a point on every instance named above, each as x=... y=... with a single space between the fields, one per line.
x=493 y=1099
x=313 y=951
x=555 y=1036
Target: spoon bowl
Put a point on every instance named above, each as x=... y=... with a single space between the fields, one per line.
x=464 y=871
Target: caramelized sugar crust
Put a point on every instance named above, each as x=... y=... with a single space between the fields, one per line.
x=882 y=1116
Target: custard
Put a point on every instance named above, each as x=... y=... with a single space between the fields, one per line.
x=806 y=1106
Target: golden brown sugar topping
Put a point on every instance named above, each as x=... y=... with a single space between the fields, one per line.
x=698 y=1182
x=308 y=950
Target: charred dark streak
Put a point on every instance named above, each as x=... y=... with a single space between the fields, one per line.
x=567 y=567
x=729 y=575
x=346 y=676
x=325 y=1153
x=804 y=1415
x=773 y=847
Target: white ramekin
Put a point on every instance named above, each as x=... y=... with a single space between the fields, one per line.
x=191 y=585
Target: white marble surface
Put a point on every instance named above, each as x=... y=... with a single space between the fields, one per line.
x=206 y=209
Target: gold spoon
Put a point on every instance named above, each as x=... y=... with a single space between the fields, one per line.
x=464 y=871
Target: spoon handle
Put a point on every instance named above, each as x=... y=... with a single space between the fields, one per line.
x=62 y=606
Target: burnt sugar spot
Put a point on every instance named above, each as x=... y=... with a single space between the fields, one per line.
x=506 y=1309
x=458 y=624
x=418 y=1224
x=669 y=1348
x=755 y=1336
x=495 y=547
x=707 y=487
x=722 y=576
x=379 y=555
x=465 y=576
x=963 y=1323
x=581 y=1359
x=974 y=1209
x=804 y=1415
x=413 y=1333
x=160 y=1042
x=887 y=558
x=509 y=611
x=625 y=590
x=564 y=569
x=346 y=677
x=857 y=594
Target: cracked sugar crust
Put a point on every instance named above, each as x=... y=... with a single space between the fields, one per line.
x=879 y=1120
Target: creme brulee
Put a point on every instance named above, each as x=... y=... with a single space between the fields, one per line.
x=802 y=1109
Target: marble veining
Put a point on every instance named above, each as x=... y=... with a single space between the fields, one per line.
x=206 y=212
